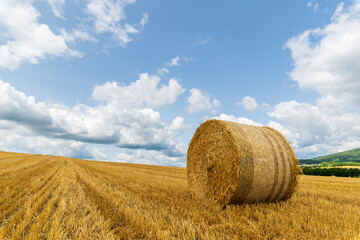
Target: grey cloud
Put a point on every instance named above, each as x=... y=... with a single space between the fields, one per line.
x=134 y=126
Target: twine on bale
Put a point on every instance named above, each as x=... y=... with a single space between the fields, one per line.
x=236 y=163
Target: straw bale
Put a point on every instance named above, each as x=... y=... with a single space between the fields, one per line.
x=236 y=163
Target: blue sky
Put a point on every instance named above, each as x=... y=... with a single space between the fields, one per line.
x=130 y=81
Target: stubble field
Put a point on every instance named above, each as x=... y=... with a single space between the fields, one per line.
x=47 y=197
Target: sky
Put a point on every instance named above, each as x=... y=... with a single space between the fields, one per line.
x=130 y=81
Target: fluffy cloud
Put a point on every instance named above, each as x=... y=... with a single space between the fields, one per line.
x=16 y=106
x=124 y=117
x=327 y=59
x=199 y=102
x=108 y=15
x=143 y=92
x=25 y=142
x=179 y=125
x=26 y=39
x=232 y=118
x=249 y=104
x=307 y=121
x=312 y=130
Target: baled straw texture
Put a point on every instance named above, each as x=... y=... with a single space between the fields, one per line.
x=236 y=163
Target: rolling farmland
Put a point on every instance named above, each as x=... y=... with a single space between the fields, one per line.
x=47 y=197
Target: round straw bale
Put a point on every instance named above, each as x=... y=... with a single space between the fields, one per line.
x=236 y=163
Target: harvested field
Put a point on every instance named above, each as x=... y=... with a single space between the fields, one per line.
x=47 y=197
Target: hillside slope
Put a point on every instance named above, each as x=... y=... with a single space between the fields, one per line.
x=47 y=197
x=346 y=156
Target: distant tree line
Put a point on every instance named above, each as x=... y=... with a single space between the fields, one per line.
x=339 y=172
x=335 y=164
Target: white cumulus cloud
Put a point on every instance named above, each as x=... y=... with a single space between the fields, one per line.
x=108 y=17
x=313 y=131
x=200 y=102
x=24 y=141
x=249 y=104
x=305 y=120
x=27 y=40
x=179 y=125
x=144 y=91
x=123 y=116
x=327 y=59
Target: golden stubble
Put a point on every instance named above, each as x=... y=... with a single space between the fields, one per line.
x=47 y=197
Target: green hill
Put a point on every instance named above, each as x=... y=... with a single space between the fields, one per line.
x=346 y=156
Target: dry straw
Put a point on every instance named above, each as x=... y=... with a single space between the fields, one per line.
x=236 y=163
